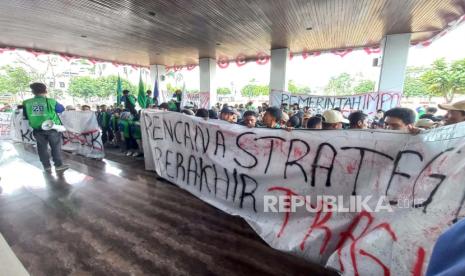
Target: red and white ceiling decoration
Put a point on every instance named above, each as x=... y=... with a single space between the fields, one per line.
x=261 y=58
x=70 y=58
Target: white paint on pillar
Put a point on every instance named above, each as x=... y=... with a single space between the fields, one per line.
x=207 y=70
x=394 y=62
x=159 y=71
x=278 y=72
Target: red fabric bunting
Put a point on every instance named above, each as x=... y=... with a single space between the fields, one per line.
x=262 y=58
x=2 y=50
x=341 y=52
x=241 y=60
x=372 y=50
x=223 y=62
x=426 y=43
x=67 y=57
x=191 y=67
x=36 y=53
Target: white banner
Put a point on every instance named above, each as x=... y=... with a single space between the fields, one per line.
x=236 y=169
x=368 y=103
x=200 y=99
x=5 y=125
x=83 y=135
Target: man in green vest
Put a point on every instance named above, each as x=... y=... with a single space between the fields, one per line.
x=38 y=110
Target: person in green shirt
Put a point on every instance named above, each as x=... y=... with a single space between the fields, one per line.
x=103 y=119
x=129 y=102
x=172 y=106
x=178 y=96
x=149 y=102
x=37 y=110
x=114 y=127
x=137 y=136
x=124 y=125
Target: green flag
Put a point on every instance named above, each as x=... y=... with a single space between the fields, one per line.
x=119 y=91
x=141 y=96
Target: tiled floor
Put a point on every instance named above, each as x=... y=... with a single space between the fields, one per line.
x=115 y=218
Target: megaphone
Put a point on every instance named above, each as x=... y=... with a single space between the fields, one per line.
x=49 y=125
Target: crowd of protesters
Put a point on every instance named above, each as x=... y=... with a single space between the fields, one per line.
x=120 y=124
x=296 y=117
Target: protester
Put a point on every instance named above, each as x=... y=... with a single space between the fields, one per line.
x=164 y=107
x=202 y=113
x=430 y=112
x=358 y=120
x=70 y=108
x=294 y=122
x=315 y=122
x=103 y=119
x=455 y=112
x=149 y=100
x=213 y=114
x=114 y=128
x=379 y=114
x=173 y=106
x=37 y=110
x=425 y=124
x=85 y=108
x=178 y=98
x=333 y=119
x=228 y=114
x=188 y=112
x=129 y=102
x=284 y=118
x=272 y=117
x=134 y=127
x=130 y=144
x=399 y=118
x=249 y=119
x=249 y=106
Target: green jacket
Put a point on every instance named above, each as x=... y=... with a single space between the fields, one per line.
x=124 y=127
x=40 y=109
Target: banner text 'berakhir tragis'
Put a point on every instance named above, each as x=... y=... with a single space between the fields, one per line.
x=235 y=169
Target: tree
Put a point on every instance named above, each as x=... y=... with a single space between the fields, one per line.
x=413 y=85
x=445 y=80
x=458 y=76
x=223 y=91
x=107 y=86
x=295 y=89
x=254 y=90
x=340 y=85
x=364 y=86
x=102 y=88
x=83 y=87
x=15 y=80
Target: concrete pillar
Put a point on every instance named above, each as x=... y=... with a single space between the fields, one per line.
x=207 y=70
x=158 y=72
x=394 y=62
x=278 y=72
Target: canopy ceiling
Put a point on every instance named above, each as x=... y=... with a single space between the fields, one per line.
x=180 y=31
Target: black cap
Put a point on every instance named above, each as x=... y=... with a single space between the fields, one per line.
x=228 y=109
